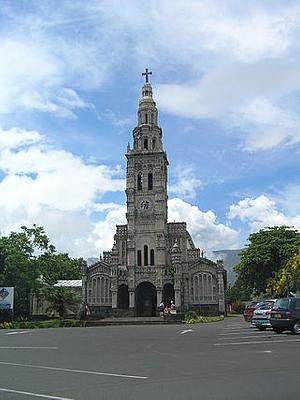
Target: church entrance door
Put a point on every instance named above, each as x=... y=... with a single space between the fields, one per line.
x=123 y=297
x=168 y=294
x=145 y=300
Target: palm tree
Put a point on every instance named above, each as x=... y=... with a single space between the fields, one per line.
x=61 y=300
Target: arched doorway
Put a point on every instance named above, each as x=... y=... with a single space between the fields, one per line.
x=168 y=294
x=145 y=300
x=123 y=297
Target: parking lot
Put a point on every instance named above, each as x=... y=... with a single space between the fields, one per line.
x=223 y=360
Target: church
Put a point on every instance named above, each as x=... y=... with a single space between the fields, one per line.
x=152 y=260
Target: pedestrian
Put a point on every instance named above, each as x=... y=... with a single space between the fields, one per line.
x=161 y=309
x=84 y=311
x=172 y=308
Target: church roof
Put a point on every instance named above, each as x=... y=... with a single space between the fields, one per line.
x=69 y=283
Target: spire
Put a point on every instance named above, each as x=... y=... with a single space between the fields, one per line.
x=147 y=134
x=147 y=112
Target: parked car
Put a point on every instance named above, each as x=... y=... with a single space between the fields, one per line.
x=262 y=314
x=248 y=312
x=285 y=315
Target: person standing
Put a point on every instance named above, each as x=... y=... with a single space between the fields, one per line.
x=83 y=313
x=161 y=309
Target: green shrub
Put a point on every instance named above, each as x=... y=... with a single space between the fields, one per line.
x=69 y=323
x=6 y=325
x=238 y=307
x=191 y=317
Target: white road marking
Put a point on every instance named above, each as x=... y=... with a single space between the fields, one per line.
x=16 y=333
x=245 y=337
x=236 y=328
x=257 y=342
x=240 y=333
x=267 y=351
x=44 y=396
x=28 y=347
x=76 y=371
x=186 y=331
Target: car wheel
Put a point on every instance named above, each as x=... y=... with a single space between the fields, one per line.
x=277 y=330
x=296 y=328
x=261 y=328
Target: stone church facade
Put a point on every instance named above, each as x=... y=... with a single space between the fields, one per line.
x=152 y=260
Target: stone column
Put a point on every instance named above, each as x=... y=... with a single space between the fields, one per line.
x=114 y=298
x=83 y=265
x=221 y=294
x=177 y=298
x=158 y=297
x=131 y=299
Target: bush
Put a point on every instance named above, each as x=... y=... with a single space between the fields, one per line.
x=6 y=325
x=69 y=323
x=191 y=317
x=238 y=307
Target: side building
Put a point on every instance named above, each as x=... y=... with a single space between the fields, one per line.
x=151 y=260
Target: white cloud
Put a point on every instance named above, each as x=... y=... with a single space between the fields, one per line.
x=106 y=228
x=53 y=187
x=40 y=175
x=186 y=183
x=78 y=46
x=14 y=138
x=289 y=199
x=249 y=98
x=260 y=212
x=61 y=103
x=204 y=228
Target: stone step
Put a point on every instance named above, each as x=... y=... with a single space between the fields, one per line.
x=133 y=321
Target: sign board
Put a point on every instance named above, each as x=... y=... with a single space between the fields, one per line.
x=6 y=298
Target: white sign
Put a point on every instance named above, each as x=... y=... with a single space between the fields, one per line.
x=6 y=298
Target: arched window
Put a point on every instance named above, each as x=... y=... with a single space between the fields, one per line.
x=146 y=118
x=146 y=144
x=152 y=118
x=150 y=181
x=98 y=290
x=139 y=258
x=145 y=255
x=153 y=143
x=140 y=181
x=102 y=290
x=94 y=290
x=196 y=293
x=151 y=257
x=200 y=287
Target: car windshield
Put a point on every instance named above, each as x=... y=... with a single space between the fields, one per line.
x=260 y=304
x=281 y=304
x=267 y=305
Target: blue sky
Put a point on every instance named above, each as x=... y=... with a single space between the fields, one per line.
x=226 y=79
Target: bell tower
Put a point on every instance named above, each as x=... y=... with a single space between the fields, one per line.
x=146 y=187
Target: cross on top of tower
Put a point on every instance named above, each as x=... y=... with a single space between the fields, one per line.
x=146 y=73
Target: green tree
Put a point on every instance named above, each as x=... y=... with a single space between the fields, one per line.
x=18 y=263
x=24 y=257
x=267 y=253
x=277 y=284
x=54 y=267
x=61 y=300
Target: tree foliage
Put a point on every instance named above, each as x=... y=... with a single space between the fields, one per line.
x=268 y=252
x=277 y=284
x=61 y=300
x=27 y=255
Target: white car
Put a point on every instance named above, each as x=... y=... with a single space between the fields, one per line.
x=261 y=316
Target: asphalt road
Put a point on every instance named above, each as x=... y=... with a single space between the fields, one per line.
x=223 y=360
